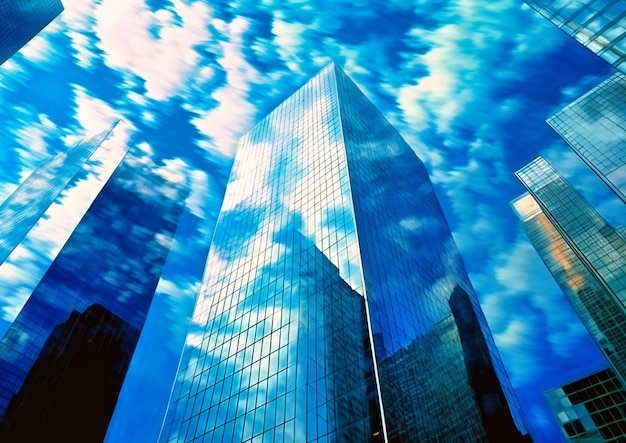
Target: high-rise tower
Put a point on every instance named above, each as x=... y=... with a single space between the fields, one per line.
x=602 y=314
x=594 y=126
x=30 y=200
x=64 y=358
x=596 y=24
x=596 y=243
x=22 y=20
x=335 y=305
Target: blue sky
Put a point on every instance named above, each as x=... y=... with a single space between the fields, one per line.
x=468 y=84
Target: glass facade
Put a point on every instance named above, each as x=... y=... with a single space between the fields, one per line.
x=25 y=206
x=334 y=305
x=63 y=360
x=602 y=314
x=592 y=409
x=600 y=25
x=594 y=126
x=22 y=20
x=596 y=243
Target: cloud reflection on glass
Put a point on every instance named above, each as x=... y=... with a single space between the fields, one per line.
x=75 y=336
x=334 y=302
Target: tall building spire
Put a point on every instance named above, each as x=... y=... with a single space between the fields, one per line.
x=335 y=305
x=64 y=358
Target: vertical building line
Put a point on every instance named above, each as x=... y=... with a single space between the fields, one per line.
x=368 y=320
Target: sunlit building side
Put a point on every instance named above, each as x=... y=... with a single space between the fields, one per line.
x=599 y=25
x=602 y=314
x=64 y=358
x=596 y=243
x=21 y=20
x=594 y=126
x=335 y=305
x=30 y=200
x=591 y=409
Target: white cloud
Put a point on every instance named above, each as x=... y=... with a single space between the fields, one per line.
x=39 y=49
x=92 y=114
x=289 y=38
x=31 y=139
x=152 y=45
x=233 y=115
x=197 y=200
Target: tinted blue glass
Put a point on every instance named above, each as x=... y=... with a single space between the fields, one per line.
x=594 y=126
x=601 y=313
x=25 y=206
x=596 y=24
x=592 y=408
x=278 y=349
x=299 y=287
x=22 y=20
x=593 y=240
x=431 y=338
x=586 y=255
x=63 y=360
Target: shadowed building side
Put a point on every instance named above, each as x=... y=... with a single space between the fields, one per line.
x=72 y=387
x=22 y=20
x=591 y=409
x=108 y=271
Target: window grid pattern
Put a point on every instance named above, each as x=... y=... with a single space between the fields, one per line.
x=279 y=348
x=64 y=358
x=603 y=315
x=591 y=409
x=595 y=242
x=594 y=126
x=600 y=25
x=417 y=289
x=22 y=20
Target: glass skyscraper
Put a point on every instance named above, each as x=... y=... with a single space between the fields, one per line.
x=600 y=25
x=596 y=243
x=21 y=20
x=594 y=126
x=602 y=314
x=591 y=409
x=25 y=206
x=64 y=358
x=335 y=305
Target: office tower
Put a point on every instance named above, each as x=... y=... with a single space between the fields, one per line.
x=22 y=20
x=335 y=305
x=25 y=206
x=596 y=24
x=594 y=126
x=602 y=314
x=593 y=240
x=592 y=409
x=63 y=360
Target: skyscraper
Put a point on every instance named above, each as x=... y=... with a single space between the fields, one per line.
x=22 y=20
x=602 y=314
x=596 y=24
x=63 y=360
x=591 y=409
x=596 y=243
x=25 y=206
x=594 y=126
x=335 y=305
